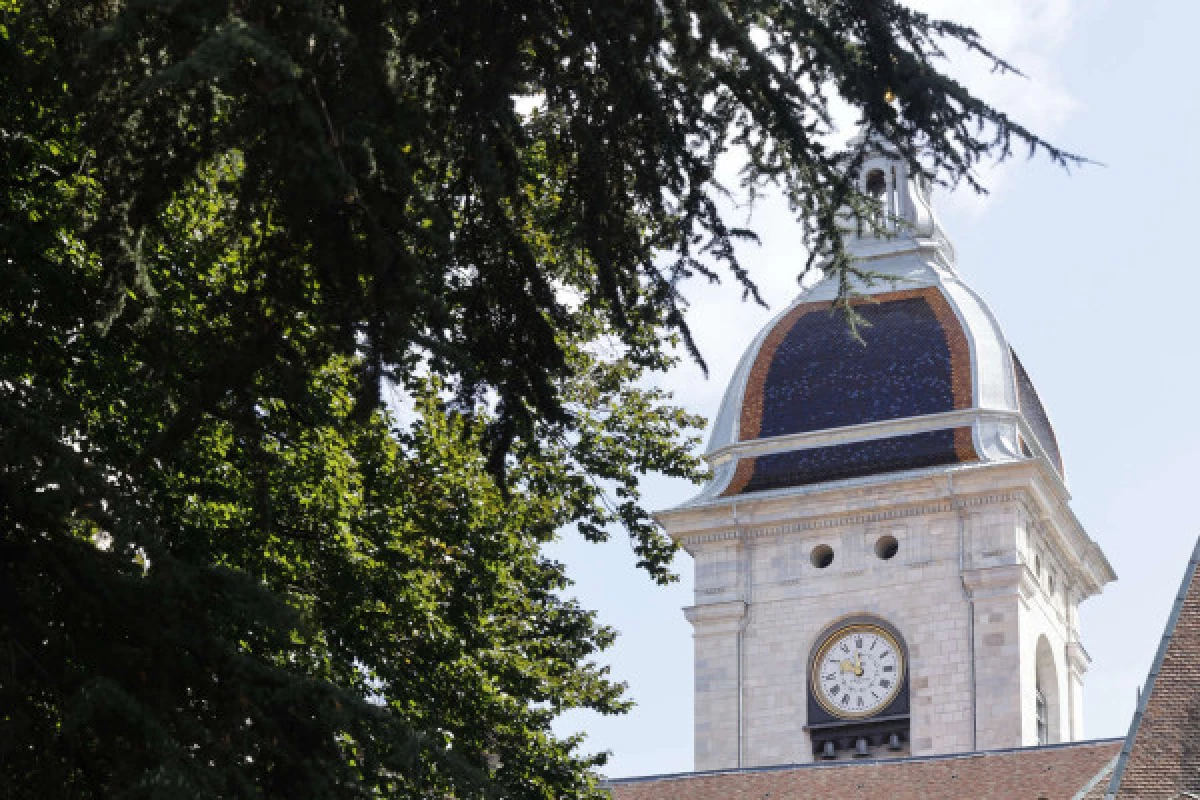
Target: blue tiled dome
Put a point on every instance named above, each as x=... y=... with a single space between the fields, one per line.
x=812 y=374
x=932 y=382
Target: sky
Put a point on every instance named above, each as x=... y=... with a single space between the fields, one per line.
x=1092 y=280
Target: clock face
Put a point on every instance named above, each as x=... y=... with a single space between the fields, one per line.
x=858 y=671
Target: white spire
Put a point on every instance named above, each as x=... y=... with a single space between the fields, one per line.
x=907 y=213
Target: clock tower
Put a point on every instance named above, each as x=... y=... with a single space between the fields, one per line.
x=886 y=562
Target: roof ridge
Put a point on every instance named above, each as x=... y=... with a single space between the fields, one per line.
x=1114 y=784
x=1098 y=778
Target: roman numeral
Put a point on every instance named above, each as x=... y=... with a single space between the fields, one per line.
x=885 y=683
x=888 y=668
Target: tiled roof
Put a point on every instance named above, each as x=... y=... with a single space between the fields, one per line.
x=812 y=374
x=1035 y=413
x=1055 y=772
x=1161 y=757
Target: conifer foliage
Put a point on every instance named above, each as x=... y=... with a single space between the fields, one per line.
x=233 y=230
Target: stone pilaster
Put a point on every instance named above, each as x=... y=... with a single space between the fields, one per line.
x=716 y=632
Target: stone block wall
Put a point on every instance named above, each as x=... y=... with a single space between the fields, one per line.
x=762 y=605
x=981 y=568
x=791 y=603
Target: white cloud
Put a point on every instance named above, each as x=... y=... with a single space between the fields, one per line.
x=1027 y=34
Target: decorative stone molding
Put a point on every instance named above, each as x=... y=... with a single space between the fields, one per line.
x=706 y=538
x=987 y=583
x=1078 y=659
x=825 y=523
x=716 y=617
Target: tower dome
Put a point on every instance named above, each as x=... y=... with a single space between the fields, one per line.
x=932 y=382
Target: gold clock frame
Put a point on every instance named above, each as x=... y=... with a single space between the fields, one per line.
x=835 y=635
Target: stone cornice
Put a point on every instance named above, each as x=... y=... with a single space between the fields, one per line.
x=868 y=492
x=860 y=518
x=985 y=583
x=706 y=538
x=716 y=617
x=1064 y=530
x=1077 y=658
